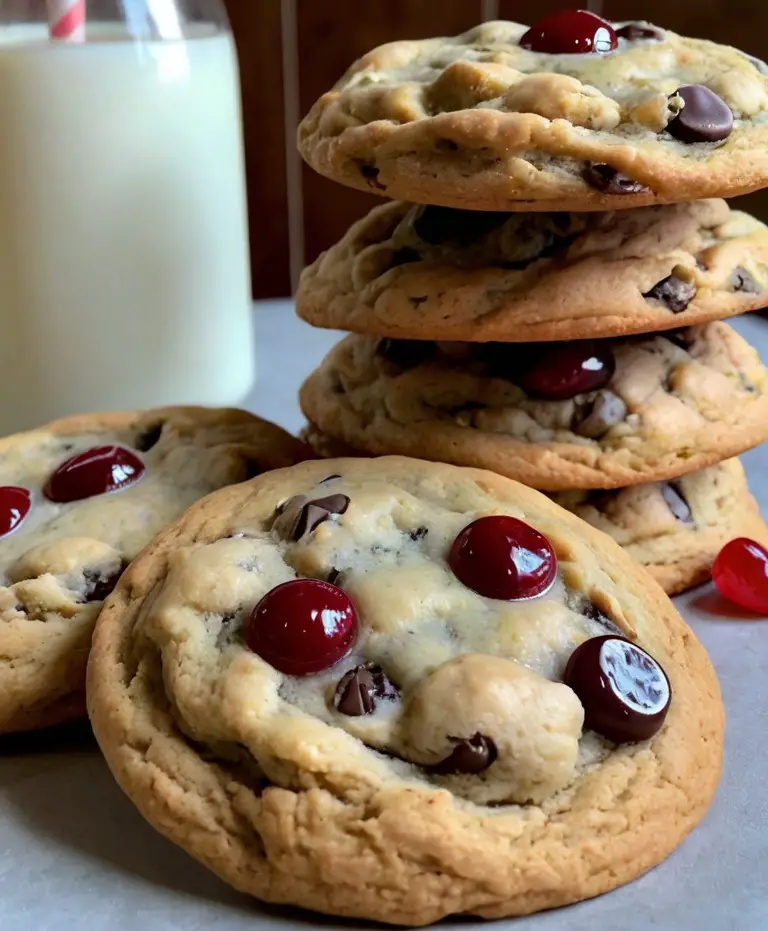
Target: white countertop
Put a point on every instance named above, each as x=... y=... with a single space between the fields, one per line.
x=76 y=856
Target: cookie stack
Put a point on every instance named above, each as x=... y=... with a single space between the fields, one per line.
x=512 y=312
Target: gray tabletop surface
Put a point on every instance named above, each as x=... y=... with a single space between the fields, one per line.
x=76 y=856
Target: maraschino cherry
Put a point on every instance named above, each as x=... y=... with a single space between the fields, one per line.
x=501 y=557
x=564 y=370
x=571 y=32
x=741 y=574
x=15 y=504
x=94 y=472
x=302 y=627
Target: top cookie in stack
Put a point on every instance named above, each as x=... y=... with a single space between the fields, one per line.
x=571 y=114
x=518 y=151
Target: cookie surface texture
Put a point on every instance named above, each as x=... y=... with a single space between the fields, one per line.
x=593 y=414
x=442 y=766
x=410 y=272
x=63 y=559
x=480 y=122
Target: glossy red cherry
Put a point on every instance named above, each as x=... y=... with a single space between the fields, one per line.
x=564 y=370
x=570 y=32
x=741 y=574
x=302 y=627
x=501 y=557
x=15 y=503
x=94 y=472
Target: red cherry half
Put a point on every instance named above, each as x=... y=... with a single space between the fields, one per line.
x=741 y=574
x=15 y=504
x=302 y=627
x=564 y=370
x=94 y=472
x=570 y=32
x=503 y=558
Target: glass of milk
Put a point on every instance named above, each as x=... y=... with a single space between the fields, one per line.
x=124 y=271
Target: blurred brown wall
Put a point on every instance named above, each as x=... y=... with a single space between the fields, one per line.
x=322 y=40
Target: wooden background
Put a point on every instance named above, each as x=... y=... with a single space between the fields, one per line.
x=291 y=51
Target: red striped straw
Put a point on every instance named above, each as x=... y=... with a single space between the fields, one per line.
x=66 y=20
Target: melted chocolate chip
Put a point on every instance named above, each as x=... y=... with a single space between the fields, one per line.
x=596 y=418
x=624 y=691
x=742 y=281
x=361 y=688
x=299 y=517
x=404 y=256
x=634 y=32
x=405 y=353
x=469 y=756
x=676 y=502
x=149 y=437
x=673 y=292
x=705 y=117
x=371 y=175
x=98 y=585
x=609 y=180
x=418 y=534
x=437 y=225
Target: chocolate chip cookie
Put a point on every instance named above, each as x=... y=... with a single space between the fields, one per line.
x=676 y=529
x=509 y=118
x=398 y=690
x=556 y=416
x=79 y=499
x=411 y=272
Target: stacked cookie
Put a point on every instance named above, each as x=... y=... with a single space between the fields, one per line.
x=513 y=313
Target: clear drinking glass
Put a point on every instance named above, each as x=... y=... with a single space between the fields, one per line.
x=124 y=270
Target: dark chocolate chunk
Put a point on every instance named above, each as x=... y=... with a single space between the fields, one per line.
x=596 y=418
x=633 y=32
x=705 y=117
x=149 y=437
x=624 y=691
x=335 y=577
x=371 y=175
x=418 y=534
x=469 y=756
x=361 y=688
x=99 y=585
x=405 y=353
x=742 y=281
x=676 y=502
x=437 y=225
x=609 y=180
x=299 y=517
x=673 y=292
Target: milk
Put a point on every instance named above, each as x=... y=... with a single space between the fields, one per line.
x=124 y=278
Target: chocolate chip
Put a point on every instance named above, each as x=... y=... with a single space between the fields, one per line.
x=633 y=32
x=361 y=688
x=705 y=117
x=404 y=256
x=673 y=292
x=99 y=585
x=335 y=577
x=418 y=534
x=609 y=180
x=469 y=756
x=437 y=225
x=405 y=353
x=299 y=517
x=742 y=281
x=371 y=175
x=676 y=502
x=596 y=418
x=149 y=437
x=681 y=338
